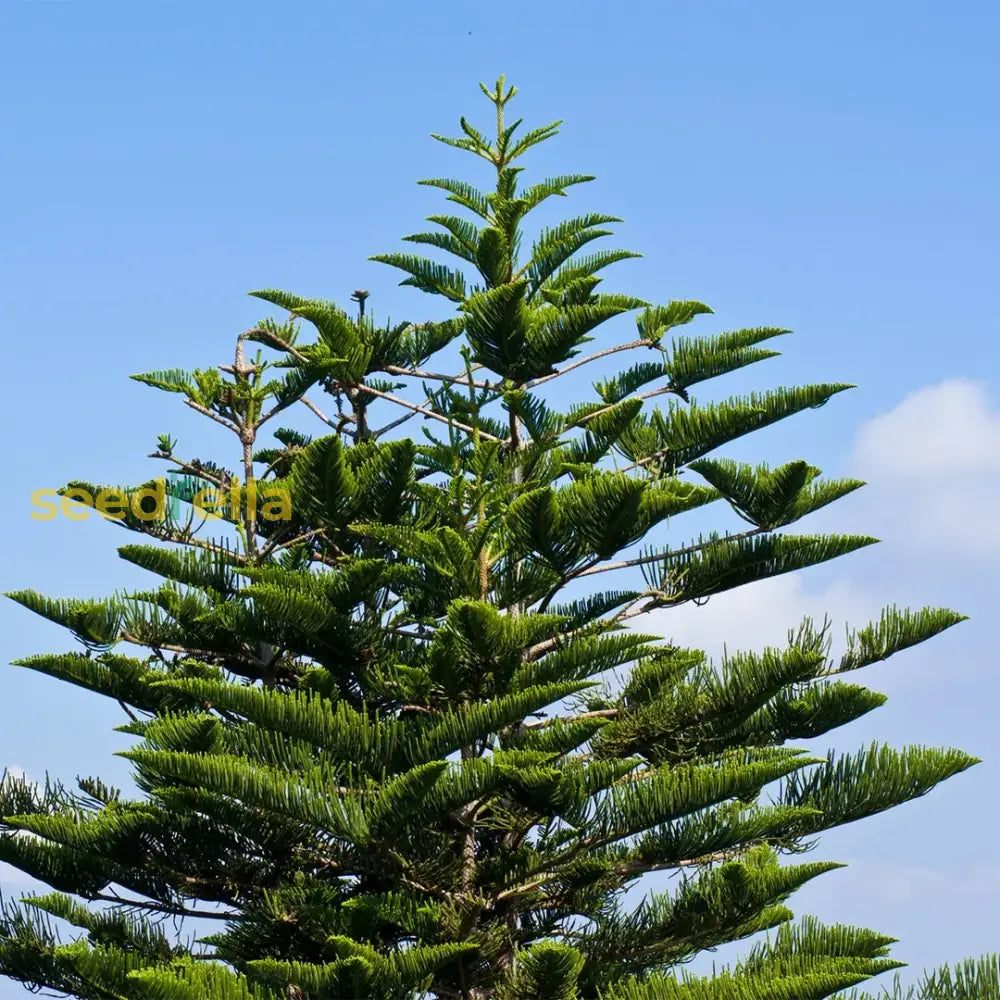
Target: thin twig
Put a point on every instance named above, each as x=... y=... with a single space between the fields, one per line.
x=274 y=543
x=427 y=413
x=586 y=361
x=642 y=395
x=432 y=376
x=392 y=426
x=410 y=416
x=215 y=416
x=604 y=713
x=180 y=911
x=281 y=344
x=200 y=654
x=190 y=469
x=668 y=554
x=655 y=457
x=322 y=416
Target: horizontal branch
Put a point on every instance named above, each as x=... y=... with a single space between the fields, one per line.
x=206 y=655
x=633 y=345
x=434 y=377
x=192 y=470
x=409 y=416
x=276 y=543
x=174 y=910
x=451 y=422
x=604 y=713
x=669 y=553
x=642 y=395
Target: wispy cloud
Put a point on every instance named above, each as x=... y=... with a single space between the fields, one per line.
x=933 y=465
x=761 y=614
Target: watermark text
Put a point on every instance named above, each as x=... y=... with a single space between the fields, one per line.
x=162 y=502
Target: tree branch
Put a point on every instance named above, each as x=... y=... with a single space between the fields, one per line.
x=427 y=413
x=586 y=361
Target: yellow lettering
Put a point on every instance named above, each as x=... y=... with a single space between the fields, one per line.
x=159 y=494
x=71 y=501
x=283 y=503
x=112 y=504
x=206 y=499
x=234 y=499
x=251 y=497
x=40 y=499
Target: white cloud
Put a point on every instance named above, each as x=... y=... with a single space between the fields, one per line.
x=935 y=432
x=933 y=468
x=760 y=614
x=932 y=464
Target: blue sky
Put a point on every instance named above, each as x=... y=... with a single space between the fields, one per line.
x=829 y=168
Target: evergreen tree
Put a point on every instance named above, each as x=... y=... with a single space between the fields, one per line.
x=392 y=739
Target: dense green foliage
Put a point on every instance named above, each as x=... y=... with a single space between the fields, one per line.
x=396 y=745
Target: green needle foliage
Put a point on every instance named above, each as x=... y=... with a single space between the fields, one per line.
x=399 y=742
